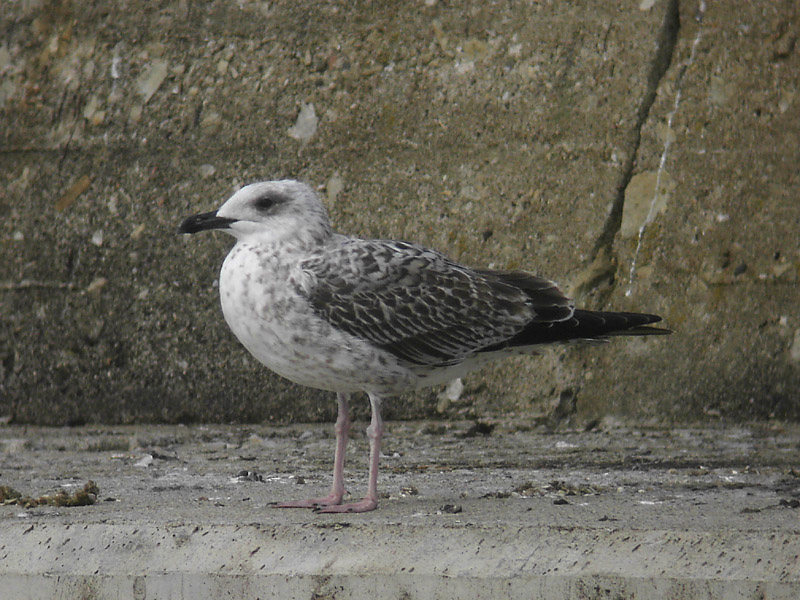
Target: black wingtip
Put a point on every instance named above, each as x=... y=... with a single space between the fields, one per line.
x=627 y=323
x=643 y=330
x=586 y=325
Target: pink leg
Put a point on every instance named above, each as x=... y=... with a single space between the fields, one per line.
x=342 y=429
x=374 y=433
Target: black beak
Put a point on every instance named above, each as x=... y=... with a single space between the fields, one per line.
x=204 y=221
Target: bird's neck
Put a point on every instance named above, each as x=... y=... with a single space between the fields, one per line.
x=290 y=241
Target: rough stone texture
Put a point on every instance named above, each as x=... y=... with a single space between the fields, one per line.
x=520 y=513
x=722 y=261
x=504 y=135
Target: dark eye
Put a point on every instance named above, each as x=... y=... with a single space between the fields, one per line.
x=265 y=203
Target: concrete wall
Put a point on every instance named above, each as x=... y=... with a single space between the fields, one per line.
x=523 y=135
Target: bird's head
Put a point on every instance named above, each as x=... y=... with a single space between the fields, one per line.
x=267 y=212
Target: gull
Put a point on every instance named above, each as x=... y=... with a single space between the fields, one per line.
x=348 y=315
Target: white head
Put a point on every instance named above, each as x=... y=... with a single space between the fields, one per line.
x=268 y=212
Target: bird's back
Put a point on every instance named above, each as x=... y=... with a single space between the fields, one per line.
x=429 y=311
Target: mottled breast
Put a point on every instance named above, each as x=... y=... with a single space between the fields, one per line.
x=263 y=293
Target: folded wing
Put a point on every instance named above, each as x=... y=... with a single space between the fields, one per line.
x=421 y=306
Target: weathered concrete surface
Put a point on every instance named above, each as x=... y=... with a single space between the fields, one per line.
x=618 y=513
x=722 y=135
x=505 y=135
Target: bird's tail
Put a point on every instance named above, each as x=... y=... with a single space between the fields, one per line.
x=586 y=325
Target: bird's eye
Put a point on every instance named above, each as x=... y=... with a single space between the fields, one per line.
x=265 y=203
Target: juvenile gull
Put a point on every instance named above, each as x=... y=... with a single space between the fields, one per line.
x=377 y=316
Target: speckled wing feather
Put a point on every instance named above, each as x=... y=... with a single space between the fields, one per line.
x=421 y=306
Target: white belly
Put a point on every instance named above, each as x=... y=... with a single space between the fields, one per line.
x=264 y=307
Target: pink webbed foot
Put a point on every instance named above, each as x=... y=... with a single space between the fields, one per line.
x=374 y=433
x=365 y=505
x=332 y=503
x=337 y=490
x=329 y=500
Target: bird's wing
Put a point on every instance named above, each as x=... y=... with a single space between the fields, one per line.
x=421 y=306
x=548 y=302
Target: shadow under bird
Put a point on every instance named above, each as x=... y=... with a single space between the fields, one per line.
x=378 y=316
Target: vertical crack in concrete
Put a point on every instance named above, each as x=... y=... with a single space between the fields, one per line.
x=666 y=41
x=701 y=10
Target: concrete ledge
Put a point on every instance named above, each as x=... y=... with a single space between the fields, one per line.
x=464 y=560
x=654 y=514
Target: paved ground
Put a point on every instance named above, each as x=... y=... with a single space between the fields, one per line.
x=470 y=512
